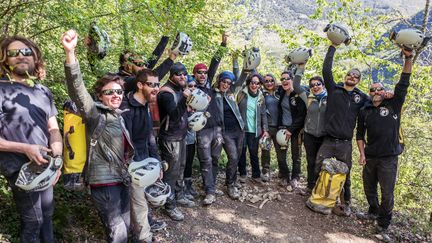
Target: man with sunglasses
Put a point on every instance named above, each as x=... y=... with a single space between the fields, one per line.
x=171 y=101
x=28 y=130
x=139 y=124
x=204 y=75
x=343 y=105
x=380 y=120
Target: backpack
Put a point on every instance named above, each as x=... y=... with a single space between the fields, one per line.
x=74 y=131
x=154 y=111
x=328 y=187
x=75 y=154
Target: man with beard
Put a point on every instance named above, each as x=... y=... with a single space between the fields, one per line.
x=138 y=122
x=380 y=120
x=28 y=129
x=203 y=75
x=173 y=115
x=343 y=105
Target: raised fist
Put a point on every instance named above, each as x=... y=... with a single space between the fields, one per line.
x=69 y=40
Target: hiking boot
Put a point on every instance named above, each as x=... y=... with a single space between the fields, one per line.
x=233 y=192
x=209 y=199
x=175 y=214
x=257 y=180
x=265 y=177
x=190 y=192
x=305 y=192
x=384 y=233
x=219 y=192
x=242 y=179
x=183 y=201
x=157 y=226
x=366 y=216
x=294 y=183
x=347 y=210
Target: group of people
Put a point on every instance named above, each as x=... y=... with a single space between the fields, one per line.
x=244 y=108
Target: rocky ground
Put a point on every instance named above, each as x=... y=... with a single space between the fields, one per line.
x=266 y=212
x=271 y=213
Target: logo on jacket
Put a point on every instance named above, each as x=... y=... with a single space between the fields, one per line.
x=293 y=101
x=357 y=98
x=384 y=111
x=395 y=116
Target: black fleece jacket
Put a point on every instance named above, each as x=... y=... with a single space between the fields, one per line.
x=342 y=106
x=382 y=123
x=298 y=111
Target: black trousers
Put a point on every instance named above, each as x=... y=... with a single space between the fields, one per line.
x=312 y=145
x=190 y=154
x=251 y=143
x=383 y=171
x=233 y=145
x=280 y=154
x=342 y=151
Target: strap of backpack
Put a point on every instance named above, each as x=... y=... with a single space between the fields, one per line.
x=166 y=118
x=93 y=141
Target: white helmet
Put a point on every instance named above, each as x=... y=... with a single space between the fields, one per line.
x=158 y=193
x=144 y=172
x=299 y=55
x=337 y=34
x=251 y=59
x=411 y=39
x=198 y=100
x=281 y=137
x=33 y=177
x=182 y=44
x=265 y=143
x=198 y=120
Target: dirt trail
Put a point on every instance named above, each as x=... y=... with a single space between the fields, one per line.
x=285 y=220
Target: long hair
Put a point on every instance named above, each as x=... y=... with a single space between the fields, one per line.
x=39 y=71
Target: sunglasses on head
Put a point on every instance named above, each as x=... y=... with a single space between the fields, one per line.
x=226 y=81
x=201 y=72
x=254 y=82
x=15 y=52
x=152 y=85
x=285 y=79
x=180 y=74
x=317 y=84
x=112 y=91
x=269 y=81
x=376 y=89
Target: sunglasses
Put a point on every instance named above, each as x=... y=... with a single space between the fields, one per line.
x=191 y=85
x=254 y=83
x=137 y=63
x=112 y=91
x=317 y=84
x=354 y=74
x=15 y=52
x=201 y=72
x=285 y=79
x=269 y=81
x=226 y=82
x=152 y=85
x=376 y=89
x=180 y=74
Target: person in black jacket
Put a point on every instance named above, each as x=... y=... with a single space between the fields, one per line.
x=343 y=105
x=380 y=120
x=139 y=124
x=171 y=101
x=292 y=113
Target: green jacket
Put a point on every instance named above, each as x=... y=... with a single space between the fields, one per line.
x=109 y=159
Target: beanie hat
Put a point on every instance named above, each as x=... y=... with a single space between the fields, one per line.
x=226 y=75
x=190 y=79
x=199 y=66
x=176 y=68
